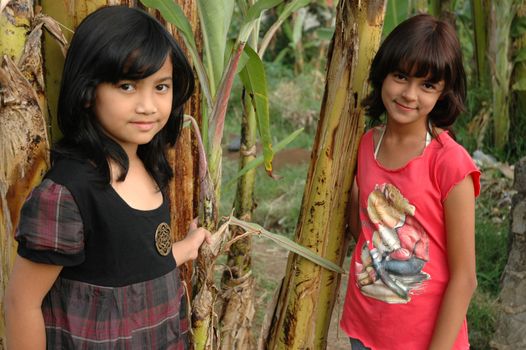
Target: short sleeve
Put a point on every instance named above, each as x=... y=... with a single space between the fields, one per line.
x=50 y=229
x=453 y=165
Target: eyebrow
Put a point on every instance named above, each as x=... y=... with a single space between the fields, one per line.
x=160 y=80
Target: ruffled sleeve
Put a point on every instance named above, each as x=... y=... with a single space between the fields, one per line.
x=51 y=229
x=453 y=165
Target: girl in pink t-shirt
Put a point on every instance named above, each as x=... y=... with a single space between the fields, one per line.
x=412 y=273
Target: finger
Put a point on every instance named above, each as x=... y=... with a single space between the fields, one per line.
x=193 y=224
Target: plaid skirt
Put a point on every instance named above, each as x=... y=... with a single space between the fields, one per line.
x=145 y=315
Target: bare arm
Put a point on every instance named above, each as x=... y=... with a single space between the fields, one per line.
x=188 y=248
x=459 y=211
x=28 y=284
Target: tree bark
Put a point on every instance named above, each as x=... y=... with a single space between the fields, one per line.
x=511 y=321
x=308 y=292
x=238 y=280
x=23 y=137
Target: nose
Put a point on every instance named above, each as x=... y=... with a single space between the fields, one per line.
x=409 y=92
x=146 y=104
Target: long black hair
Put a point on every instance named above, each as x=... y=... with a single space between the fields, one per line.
x=421 y=45
x=111 y=44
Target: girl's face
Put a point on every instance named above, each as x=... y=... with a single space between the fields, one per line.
x=408 y=99
x=132 y=112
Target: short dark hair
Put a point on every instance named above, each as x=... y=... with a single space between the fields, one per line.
x=421 y=45
x=111 y=44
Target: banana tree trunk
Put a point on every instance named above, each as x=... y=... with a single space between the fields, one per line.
x=238 y=280
x=23 y=138
x=308 y=292
x=518 y=104
x=481 y=9
x=420 y=6
x=69 y=13
x=444 y=9
x=238 y=283
x=501 y=17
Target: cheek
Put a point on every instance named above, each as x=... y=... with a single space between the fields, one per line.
x=384 y=94
x=166 y=105
x=431 y=103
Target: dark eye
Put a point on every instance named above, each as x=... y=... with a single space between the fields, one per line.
x=163 y=87
x=399 y=76
x=127 y=87
x=429 y=86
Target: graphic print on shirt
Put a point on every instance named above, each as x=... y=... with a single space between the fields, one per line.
x=396 y=248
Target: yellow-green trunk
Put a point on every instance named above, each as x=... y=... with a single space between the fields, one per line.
x=22 y=118
x=307 y=295
x=480 y=9
x=501 y=17
x=238 y=280
x=518 y=105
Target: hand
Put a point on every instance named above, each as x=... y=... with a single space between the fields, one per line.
x=196 y=236
x=188 y=248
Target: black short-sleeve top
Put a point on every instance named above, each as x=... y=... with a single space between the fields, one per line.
x=115 y=287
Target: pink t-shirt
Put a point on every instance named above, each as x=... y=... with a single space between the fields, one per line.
x=402 y=218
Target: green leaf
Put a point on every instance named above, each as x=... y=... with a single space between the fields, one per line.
x=259 y=160
x=395 y=12
x=173 y=13
x=518 y=26
x=520 y=56
x=242 y=60
x=288 y=244
x=215 y=17
x=325 y=34
x=285 y=13
x=520 y=85
x=292 y=7
x=255 y=10
x=255 y=82
x=297 y=31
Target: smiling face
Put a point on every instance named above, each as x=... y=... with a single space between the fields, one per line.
x=132 y=112
x=408 y=99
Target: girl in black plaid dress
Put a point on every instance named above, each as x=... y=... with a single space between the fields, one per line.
x=96 y=267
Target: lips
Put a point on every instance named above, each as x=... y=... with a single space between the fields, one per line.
x=404 y=107
x=143 y=125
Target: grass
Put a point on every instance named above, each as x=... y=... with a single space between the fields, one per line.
x=278 y=202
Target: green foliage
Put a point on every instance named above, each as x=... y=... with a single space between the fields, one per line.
x=254 y=79
x=491 y=251
x=303 y=37
x=396 y=12
x=481 y=320
x=278 y=201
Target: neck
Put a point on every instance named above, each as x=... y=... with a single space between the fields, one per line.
x=405 y=131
